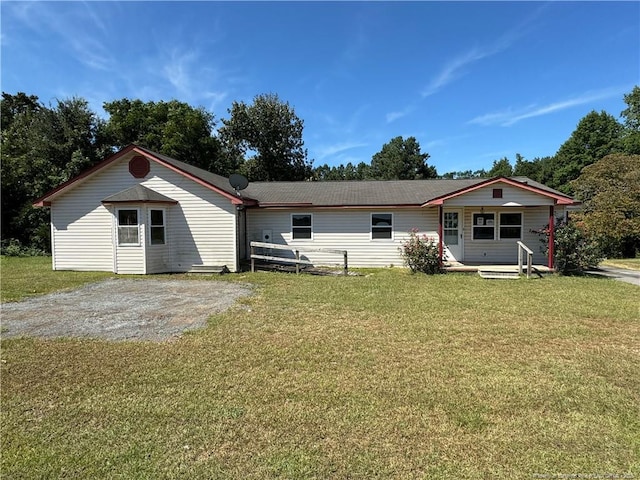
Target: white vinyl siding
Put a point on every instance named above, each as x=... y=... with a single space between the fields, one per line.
x=201 y=228
x=511 y=197
x=345 y=229
x=501 y=250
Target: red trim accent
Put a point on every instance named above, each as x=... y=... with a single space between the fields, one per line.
x=560 y=200
x=45 y=200
x=440 y=244
x=311 y=205
x=552 y=238
x=234 y=200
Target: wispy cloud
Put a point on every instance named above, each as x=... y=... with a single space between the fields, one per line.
x=83 y=30
x=510 y=116
x=393 y=116
x=457 y=66
x=336 y=149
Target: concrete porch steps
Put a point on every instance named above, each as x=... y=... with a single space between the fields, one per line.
x=503 y=274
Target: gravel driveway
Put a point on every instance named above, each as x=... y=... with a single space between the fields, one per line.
x=122 y=309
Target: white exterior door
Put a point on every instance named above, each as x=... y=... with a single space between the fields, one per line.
x=452 y=235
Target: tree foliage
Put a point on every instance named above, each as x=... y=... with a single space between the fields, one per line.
x=172 y=128
x=269 y=132
x=610 y=192
x=501 y=168
x=401 y=160
x=631 y=116
x=42 y=146
x=596 y=136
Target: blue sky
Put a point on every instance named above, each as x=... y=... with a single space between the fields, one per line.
x=472 y=81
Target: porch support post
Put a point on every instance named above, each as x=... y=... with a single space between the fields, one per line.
x=440 y=244
x=551 y=236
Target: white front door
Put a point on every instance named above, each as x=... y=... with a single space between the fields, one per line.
x=452 y=235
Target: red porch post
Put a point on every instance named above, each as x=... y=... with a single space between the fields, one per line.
x=551 y=236
x=440 y=244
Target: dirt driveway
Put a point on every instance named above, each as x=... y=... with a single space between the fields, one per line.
x=121 y=309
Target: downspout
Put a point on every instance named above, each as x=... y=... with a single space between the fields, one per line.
x=440 y=245
x=551 y=236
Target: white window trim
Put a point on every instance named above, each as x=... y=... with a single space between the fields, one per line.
x=309 y=227
x=371 y=225
x=495 y=226
x=127 y=226
x=521 y=225
x=164 y=227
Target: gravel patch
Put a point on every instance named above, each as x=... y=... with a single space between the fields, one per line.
x=122 y=309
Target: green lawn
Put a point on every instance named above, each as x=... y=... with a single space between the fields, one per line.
x=630 y=263
x=386 y=375
x=22 y=277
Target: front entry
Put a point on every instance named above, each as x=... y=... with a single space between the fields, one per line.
x=452 y=235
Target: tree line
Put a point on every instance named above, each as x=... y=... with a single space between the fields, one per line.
x=45 y=145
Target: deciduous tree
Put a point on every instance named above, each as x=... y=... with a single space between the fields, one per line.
x=610 y=191
x=401 y=160
x=596 y=136
x=172 y=128
x=266 y=137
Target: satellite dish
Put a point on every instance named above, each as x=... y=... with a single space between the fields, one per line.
x=238 y=182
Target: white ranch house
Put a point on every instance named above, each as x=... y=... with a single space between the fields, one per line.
x=140 y=212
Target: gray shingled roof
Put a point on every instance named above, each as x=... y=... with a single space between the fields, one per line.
x=214 y=179
x=138 y=193
x=354 y=193
x=341 y=193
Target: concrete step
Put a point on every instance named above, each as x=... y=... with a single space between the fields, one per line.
x=498 y=274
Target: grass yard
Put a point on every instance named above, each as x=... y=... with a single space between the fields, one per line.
x=387 y=375
x=23 y=277
x=630 y=263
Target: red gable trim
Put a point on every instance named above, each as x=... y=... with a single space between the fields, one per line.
x=45 y=200
x=234 y=200
x=559 y=199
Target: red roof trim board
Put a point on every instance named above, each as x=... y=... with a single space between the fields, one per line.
x=274 y=205
x=45 y=200
x=559 y=199
x=234 y=200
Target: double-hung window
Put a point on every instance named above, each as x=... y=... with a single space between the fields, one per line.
x=381 y=226
x=484 y=226
x=511 y=225
x=128 y=231
x=302 y=226
x=156 y=227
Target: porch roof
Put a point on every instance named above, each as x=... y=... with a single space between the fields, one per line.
x=138 y=194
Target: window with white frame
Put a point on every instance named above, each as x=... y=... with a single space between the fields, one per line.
x=381 y=226
x=511 y=225
x=484 y=226
x=156 y=227
x=128 y=231
x=302 y=226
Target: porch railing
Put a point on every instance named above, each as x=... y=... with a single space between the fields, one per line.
x=522 y=248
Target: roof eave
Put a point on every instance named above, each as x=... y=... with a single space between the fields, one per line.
x=558 y=199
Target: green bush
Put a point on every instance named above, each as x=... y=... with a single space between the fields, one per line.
x=13 y=248
x=574 y=250
x=421 y=254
